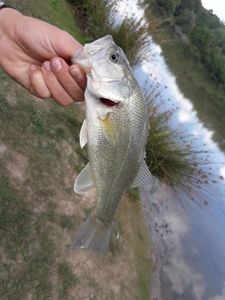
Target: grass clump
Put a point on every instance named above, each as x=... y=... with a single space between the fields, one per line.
x=165 y=158
x=176 y=157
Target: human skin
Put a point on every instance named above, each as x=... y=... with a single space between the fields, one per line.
x=37 y=54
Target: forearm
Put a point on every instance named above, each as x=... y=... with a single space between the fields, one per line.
x=8 y=20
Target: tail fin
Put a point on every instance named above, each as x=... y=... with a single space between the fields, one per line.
x=93 y=235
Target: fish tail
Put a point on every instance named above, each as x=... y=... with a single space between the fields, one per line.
x=93 y=235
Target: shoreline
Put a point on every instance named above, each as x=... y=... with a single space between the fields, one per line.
x=193 y=80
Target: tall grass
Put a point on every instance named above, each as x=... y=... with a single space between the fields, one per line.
x=175 y=156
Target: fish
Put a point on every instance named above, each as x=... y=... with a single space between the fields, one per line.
x=115 y=131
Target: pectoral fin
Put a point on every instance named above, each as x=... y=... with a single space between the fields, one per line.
x=144 y=177
x=83 y=134
x=84 y=181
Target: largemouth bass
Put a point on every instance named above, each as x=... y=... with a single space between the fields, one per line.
x=115 y=131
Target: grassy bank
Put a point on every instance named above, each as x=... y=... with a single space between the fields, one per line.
x=195 y=83
x=39 y=212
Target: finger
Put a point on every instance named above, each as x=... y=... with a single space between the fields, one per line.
x=79 y=76
x=55 y=88
x=61 y=70
x=38 y=86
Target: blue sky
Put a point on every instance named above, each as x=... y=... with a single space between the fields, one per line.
x=218 y=7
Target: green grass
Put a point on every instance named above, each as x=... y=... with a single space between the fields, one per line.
x=25 y=239
x=35 y=131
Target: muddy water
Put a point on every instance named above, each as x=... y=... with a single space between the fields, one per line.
x=188 y=237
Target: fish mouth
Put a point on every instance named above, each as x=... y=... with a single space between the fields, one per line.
x=109 y=102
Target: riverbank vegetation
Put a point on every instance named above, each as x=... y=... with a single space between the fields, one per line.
x=204 y=31
x=193 y=79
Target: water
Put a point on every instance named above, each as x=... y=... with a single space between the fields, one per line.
x=188 y=239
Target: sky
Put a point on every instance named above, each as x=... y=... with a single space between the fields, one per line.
x=218 y=7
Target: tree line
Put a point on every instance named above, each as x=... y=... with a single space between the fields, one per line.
x=205 y=31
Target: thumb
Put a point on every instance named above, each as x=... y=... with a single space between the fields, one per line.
x=64 y=44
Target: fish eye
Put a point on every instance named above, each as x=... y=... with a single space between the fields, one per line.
x=114 y=57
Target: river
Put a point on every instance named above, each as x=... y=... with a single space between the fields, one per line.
x=188 y=236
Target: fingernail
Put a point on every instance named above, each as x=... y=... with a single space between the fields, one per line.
x=77 y=74
x=56 y=64
x=32 y=68
x=47 y=65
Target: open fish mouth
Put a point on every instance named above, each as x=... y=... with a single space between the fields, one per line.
x=109 y=102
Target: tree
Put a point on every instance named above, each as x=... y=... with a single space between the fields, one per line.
x=187 y=20
x=169 y=5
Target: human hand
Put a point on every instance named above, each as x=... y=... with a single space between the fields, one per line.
x=35 y=54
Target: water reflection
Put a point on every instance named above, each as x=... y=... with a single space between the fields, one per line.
x=189 y=240
x=169 y=224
